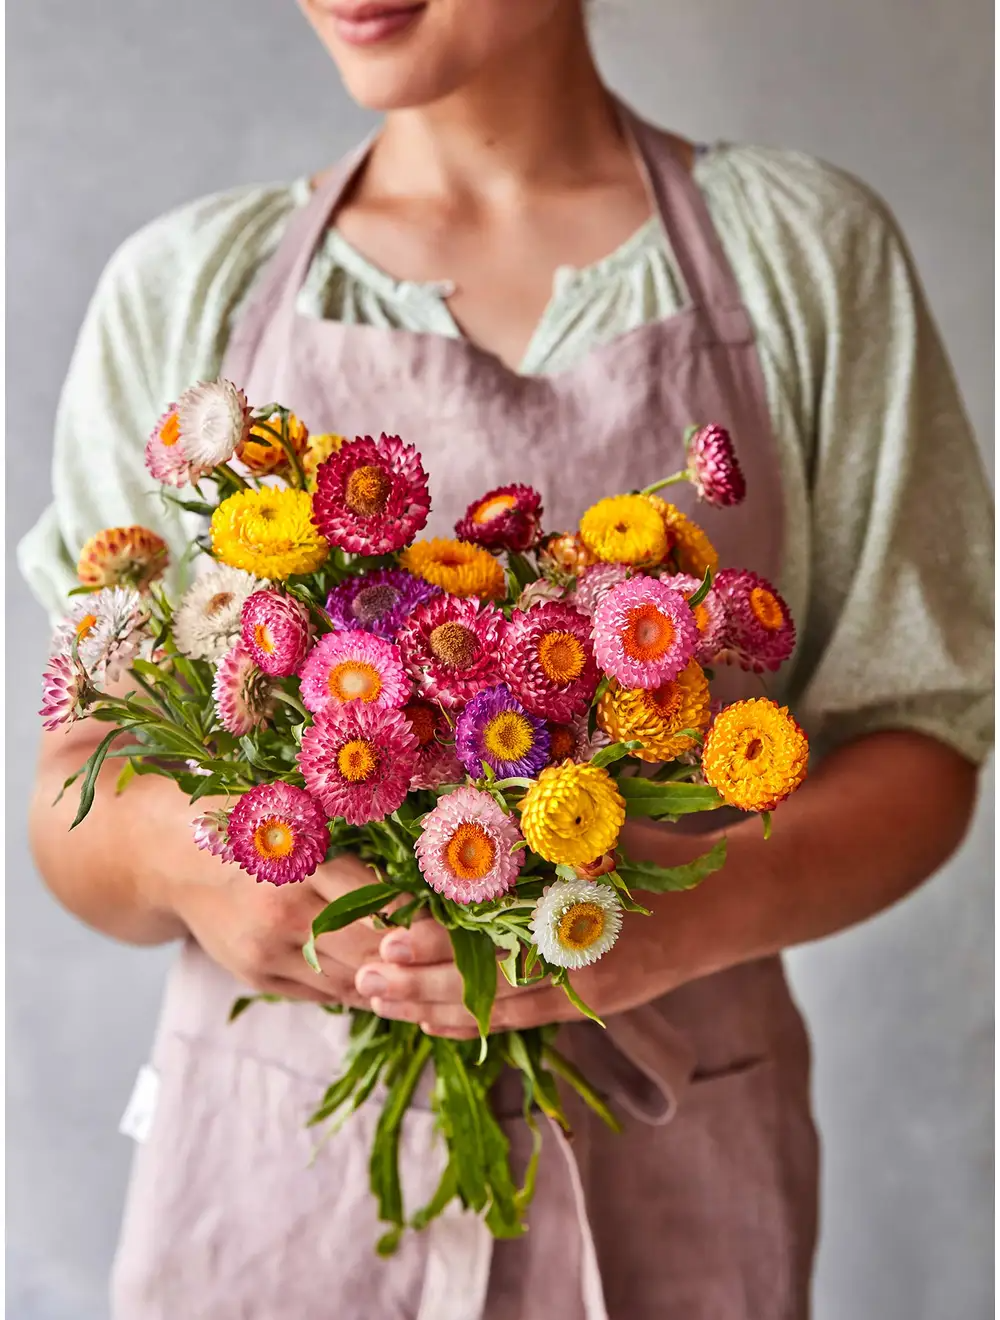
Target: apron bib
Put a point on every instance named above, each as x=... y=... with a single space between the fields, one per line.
x=704 y=1207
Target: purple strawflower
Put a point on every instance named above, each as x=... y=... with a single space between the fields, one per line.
x=377 y=602
x=495 y=730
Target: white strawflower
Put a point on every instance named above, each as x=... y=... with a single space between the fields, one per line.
x=575 y=922
x=214 y=420
x=207 y=621
x=110 y=628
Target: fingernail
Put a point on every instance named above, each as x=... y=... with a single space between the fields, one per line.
x=370 y=983
x=397 y=949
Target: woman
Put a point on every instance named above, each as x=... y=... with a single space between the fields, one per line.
x=522 y=278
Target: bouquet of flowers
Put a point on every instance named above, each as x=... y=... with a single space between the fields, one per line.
x=474 y=718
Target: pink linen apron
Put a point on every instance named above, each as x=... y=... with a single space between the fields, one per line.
x=705 y=1207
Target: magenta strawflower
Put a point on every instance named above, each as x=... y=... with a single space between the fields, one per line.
x=451 y=648
x=437 y=763
x=371 y=496
x=464 y=849
x=759 y=632
x=547 y=660
x=358 y=760
x=276 y=631
x=495 y=730
x=508 y=518
x=709 y=616
x=64 y=683
x=211 y=834
x=353 y=668
x=377 y=602
x=644 y=633
x=277 y=833
x=594 y=584
x=713 y=467
x=244 y=695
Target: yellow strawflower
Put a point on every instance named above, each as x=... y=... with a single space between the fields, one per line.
x=625 y=529
x=457 y=567
x=655 y=716
x=269 y=533
x=572 y=813
x=692 y=548
x=318 y=450
x=755 y=754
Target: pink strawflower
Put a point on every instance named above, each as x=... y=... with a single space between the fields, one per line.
x=165 y=456
x=713 y=467
x=211 y=834
x=508 y=518
x=437 y=762
x=451 y=648
x=709 y=616
x=276 y=630
x=109 y=627
x=547 y=660
x=371 y=496
x=464 y=849
x=244 y=695
x=278 y=833
x=644 y=633
x=64 y=684
x=594 y=584
x=353 y=668
x=538 y=592
x=357 y=761
x=760 y=633
x=573 y=741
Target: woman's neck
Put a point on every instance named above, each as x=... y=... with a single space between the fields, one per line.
x=541 y=120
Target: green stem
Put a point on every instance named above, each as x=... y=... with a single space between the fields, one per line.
x=683 y=475
x=293 y=459
x=224 y=473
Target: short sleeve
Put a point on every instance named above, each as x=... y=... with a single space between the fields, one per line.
x=157 y=323
x=899 y=630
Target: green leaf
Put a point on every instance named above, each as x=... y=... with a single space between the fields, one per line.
x=242 y=1004
x=125 y=777
x=383 y=1166
x=562 y=979
x=462 y=1108
x=447 y=1189
x=648 y=797
x=528 y=1059
x=614 y=752
x=342 y=911
x=90 y=772
x=566 y=872
x=671 y=879
x=574 y=1078
x=523 y=572
x=476 y=960
x=703 y=590
x=503 y=1217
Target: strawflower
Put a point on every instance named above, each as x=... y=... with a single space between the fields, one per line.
x=759 y=628
x=709 y=616
x=547 y=659
x=575 y=922
x=451 y=648
x=624 y=529
x=276 y=832
x=243 y=694
x=464 y=848
x=123 y=556
x=574 y=741
x=656 y=717
x=318 y=449
x=262 y=452
x=213 y=420
x=565 y=556
x=358 y=760
x=377 y=602
x=714 y=468
x=755 y=754
x=353 y=668
x=456 y=567
x=594 y=584
x=689 y=549
x=572 y=813
x=64 y=686
x=436 y=762
x=495 y=730
x=109 y=627
x=269 y=533
x=206 y=623
x=276 y=631
x=371 y=496
x=508 y=518
x=644 y=633
x=165 y=456
x=210 y=832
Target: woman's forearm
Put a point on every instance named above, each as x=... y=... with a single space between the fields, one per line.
x=876 y=819
x=113 y=870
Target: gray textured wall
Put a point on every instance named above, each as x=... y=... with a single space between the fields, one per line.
x=122 y=109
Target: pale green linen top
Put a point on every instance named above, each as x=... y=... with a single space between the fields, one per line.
x=888 y=564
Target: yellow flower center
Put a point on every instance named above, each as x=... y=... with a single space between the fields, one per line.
x=357 y=761
x=218 y=603
x=766 y=609
x=263 y=638
x=353 y=680
x=562 y=657
x=273 y=838
x=422 y=722
x=470 y=852
x=85 y=625
x=509 y=736
x=454 y=644
x=494 y=508
x=562 y=742
x=170 y=431
x=648 y=634
x=581 y=925
x=367 y=491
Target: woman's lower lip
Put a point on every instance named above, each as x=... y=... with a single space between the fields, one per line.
x=378 y=27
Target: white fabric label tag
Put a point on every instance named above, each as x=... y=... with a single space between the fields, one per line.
x=138 y=1116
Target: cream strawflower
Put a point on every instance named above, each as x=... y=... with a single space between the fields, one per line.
x=575 y=922
x=207 y=621
x=213 y=420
